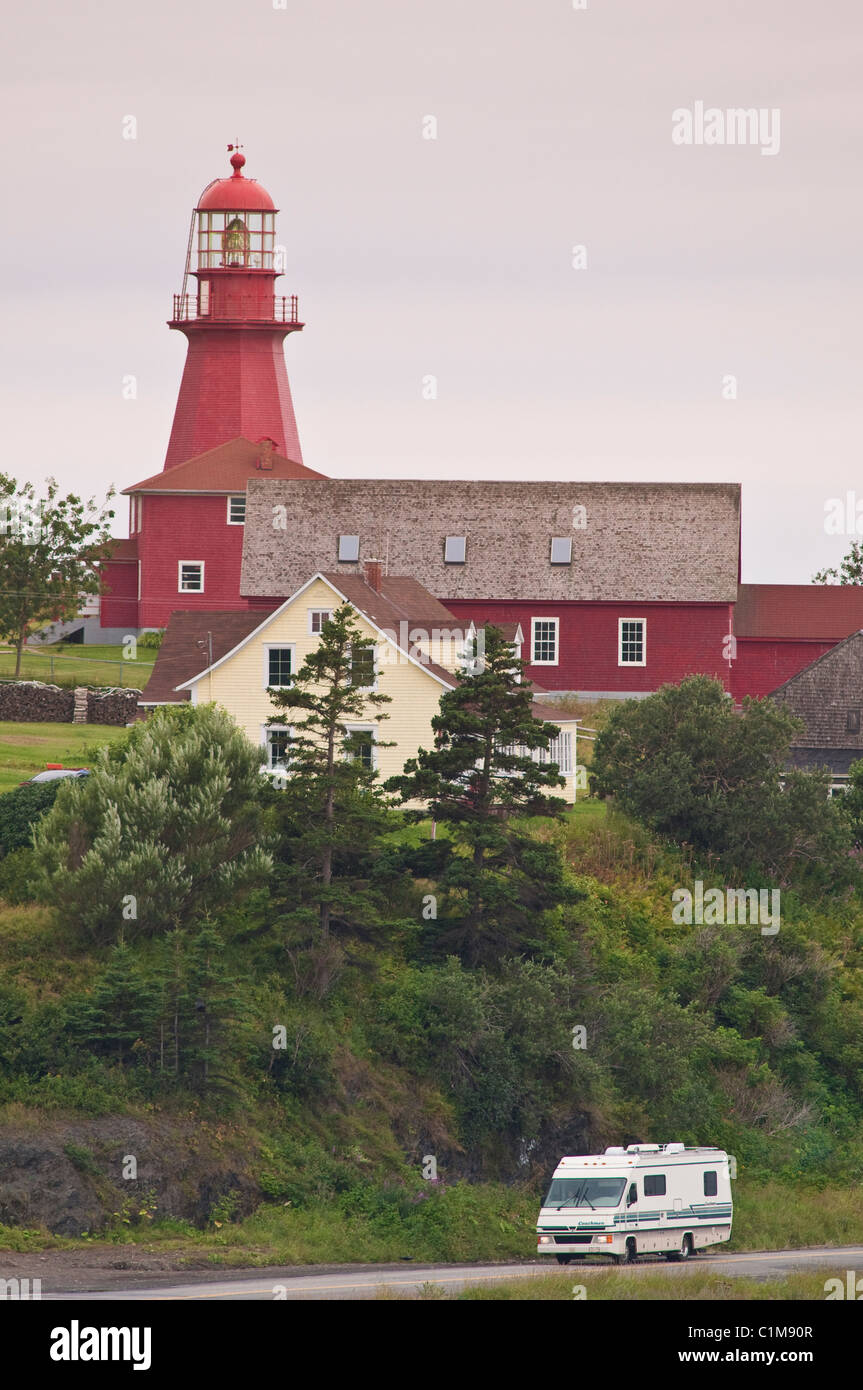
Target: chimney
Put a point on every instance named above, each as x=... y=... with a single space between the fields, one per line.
x=372 y=574
x=265 y=458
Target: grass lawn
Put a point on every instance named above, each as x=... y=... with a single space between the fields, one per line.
x=26 y=748
x=74 y=664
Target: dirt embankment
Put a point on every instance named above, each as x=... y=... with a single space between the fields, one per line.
x=73 y=1176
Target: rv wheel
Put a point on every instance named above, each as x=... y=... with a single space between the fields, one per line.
x=687 y=1248
x=631 y=1251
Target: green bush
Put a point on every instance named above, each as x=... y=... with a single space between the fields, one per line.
x=19 y=811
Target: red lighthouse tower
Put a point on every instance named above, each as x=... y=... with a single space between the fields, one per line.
x=234 y=419
x=235 y=382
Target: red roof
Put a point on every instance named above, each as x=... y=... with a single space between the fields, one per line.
x=227 y=468
x=236 y=193
x=185 y=649
x=801 y=612
x=123 y=549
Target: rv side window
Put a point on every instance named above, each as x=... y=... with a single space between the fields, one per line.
x=654 y=1185
x=632 y=1195
x=710 y=1185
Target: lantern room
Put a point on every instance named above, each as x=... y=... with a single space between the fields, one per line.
x=235 y=223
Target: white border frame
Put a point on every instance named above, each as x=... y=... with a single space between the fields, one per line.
x=533 y=622
x=310 y=611
x=268 y=647
x=180 y=564
x=620 y=623
x=362 y=728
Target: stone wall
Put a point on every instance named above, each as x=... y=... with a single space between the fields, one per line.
x=31 y=702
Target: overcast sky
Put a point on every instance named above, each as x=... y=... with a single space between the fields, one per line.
x=453 y=257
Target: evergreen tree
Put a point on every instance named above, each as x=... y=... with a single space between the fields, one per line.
x=213 y=1005
x=166 y=827
x=332 y=810
x=496 y=880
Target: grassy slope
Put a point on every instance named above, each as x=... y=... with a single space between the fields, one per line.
x=26 y=748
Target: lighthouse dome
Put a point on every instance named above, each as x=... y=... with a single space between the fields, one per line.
x=237 y=193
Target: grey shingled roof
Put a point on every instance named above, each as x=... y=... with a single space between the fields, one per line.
x=666 y=542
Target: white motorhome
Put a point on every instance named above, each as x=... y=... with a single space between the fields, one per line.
x=633 y=1201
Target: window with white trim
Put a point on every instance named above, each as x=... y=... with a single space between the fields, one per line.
x=317 y=618
x=190 y=576
x=277 y=741
x=544 y=641
x=237 y=510
x=632 y=642
x=454 y=550
x=362 y=745
x=278 y=665
x=363 y=668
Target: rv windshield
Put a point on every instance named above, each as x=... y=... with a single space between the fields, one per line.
x=585 y=1192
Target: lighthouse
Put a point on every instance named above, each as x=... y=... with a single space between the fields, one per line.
x=235 y=383
x=234 y=419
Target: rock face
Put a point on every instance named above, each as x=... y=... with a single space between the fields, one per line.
x=67 y=1176
x=31 y=702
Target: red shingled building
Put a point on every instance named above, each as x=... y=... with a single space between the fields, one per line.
x=606 y=633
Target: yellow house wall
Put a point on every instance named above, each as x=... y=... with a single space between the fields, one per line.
x=239 y=684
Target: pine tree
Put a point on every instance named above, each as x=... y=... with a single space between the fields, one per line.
x=332 y=809
x=166 y=827
x=496 y=879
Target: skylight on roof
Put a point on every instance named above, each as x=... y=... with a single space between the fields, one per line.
x=349 y=548
x=561 y=550
x=454 y=550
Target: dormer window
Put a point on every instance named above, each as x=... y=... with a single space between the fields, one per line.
x=454 y=550
x=349 y=549
x=561 y=550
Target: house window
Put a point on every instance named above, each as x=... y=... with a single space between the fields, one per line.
x=317 y=618
x=349 y=549
x=632 y=640
x=237 y=510
x=362 y=744
x=559 y=751
x=363 y=673
x=544 y=641
x=454 y=550
x=279 y=666
x=278 y=741
x=561 y=550
x=852 y=721
x=710 y=1185
x=190 y=577
x=654 y=1185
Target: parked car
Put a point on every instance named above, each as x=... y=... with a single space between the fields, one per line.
x=53 y=772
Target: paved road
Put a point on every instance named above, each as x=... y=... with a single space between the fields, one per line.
x=267 y=1285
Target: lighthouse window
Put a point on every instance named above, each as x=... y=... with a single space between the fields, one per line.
x=235 y=242
x=191 y=577
x=236 y=510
